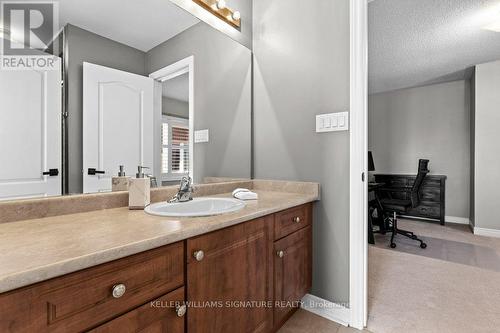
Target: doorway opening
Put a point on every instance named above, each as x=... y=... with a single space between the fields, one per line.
x=174 y=128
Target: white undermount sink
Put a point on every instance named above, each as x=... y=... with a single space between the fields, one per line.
x=196 y=207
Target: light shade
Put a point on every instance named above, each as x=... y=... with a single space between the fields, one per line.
x=371 y=165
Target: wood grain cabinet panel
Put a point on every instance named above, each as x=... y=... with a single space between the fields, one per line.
x=162 y=315
x=291 y=220
x=230 y=278
x=84 y=299
x=292 y=272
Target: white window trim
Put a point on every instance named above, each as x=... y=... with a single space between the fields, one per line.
x=173 y=121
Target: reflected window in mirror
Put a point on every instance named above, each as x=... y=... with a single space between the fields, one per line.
x=175 y=148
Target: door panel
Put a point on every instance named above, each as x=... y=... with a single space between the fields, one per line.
x=293 y=272
x=30 y=132
x=117 y=124
x=236 y=269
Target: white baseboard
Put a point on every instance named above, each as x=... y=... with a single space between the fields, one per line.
x=487 y=232
x=326 y=309
x=458 y=220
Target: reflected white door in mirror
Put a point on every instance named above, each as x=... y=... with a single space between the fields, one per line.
x=118 y=125
x=30 y=133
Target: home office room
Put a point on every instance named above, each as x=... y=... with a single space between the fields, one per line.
x=434 y=73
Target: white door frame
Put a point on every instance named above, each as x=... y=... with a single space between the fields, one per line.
x=180 y=67
x=358 y=248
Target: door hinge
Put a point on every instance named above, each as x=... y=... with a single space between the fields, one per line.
x=362 y=176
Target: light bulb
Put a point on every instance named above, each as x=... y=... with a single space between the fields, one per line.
x=221 y=4
x=236 y=15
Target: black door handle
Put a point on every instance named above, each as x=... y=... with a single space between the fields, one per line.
x=51 y=172
x=93 y=172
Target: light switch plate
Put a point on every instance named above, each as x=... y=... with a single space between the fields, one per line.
x=332 y=122
x=201 y=136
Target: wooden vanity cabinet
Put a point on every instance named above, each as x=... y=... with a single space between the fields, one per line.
x=244 y=278
x=267 y=260
x=85 y=299
x=228 y=270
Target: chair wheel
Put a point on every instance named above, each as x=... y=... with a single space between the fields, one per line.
x=393 y=245
x=423 y=245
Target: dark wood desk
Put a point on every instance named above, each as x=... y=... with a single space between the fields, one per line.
x=432 y=194
x=374 y=186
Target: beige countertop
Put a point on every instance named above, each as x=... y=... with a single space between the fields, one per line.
x=39 y=249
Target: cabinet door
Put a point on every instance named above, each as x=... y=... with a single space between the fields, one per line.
x=292 y=272
x=165 y=314
x=229 y=283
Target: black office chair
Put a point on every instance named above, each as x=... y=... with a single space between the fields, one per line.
x=401 y=206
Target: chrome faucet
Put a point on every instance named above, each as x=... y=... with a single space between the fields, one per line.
x=185 y=191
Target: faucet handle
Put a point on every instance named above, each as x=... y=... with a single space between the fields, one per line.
x=185 y=183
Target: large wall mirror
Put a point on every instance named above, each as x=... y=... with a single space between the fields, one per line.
x=144 y=83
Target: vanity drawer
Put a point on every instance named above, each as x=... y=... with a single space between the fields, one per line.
x=291 y=220
x=84 y=299
x=164 y=314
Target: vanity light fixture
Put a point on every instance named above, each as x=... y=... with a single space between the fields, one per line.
x=221 y=4
x=220 y=9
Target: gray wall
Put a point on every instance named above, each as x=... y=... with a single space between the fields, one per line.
x=222 y=97
x=85 y=46
x=301 y=68
x=426 y=122
x=174 y=107
x=487 y=153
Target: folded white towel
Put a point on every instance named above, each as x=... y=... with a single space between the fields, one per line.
x=245 y=194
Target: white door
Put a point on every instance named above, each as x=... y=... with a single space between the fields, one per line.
x=117 y=125
x=30 y=133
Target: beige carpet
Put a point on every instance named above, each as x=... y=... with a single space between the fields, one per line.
x=412 y=293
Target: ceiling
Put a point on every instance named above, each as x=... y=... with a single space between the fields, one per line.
x=177 y=88
x=420 y=42
x=140 y=24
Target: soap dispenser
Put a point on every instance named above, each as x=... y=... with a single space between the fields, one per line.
x=120 y=182
x=139 y=190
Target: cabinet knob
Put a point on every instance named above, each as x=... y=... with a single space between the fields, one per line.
x=280 y=254
x=199 y=255
x=296 y=219
x=180 y=310
x=118 y=290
